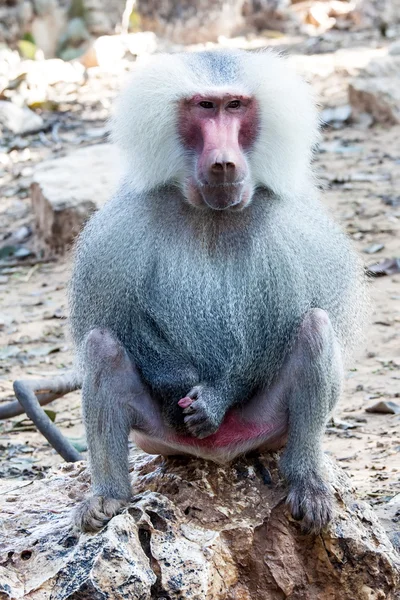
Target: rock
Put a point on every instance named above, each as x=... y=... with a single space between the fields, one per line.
x=52 y=71
x=191 y=22
x=336 y=115
x=144 y=42
x=389 y=266
x=378 y=96
x=66 y=191
x=108 y=50
x=105 y=52
x=19 y=120
x=193 y=530
x=386 y=65
x=384 y=407
x=389 y=515
x=374 y=248
x=376 y=90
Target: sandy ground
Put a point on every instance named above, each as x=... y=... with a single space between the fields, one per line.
x=359 y=171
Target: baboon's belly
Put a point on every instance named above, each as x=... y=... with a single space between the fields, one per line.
x=234 y=437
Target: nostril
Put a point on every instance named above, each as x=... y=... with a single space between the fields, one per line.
x=218 y=167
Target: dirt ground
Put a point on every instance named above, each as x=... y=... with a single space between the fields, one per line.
x=359 y=172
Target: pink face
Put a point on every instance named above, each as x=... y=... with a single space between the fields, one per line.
x=219 y=130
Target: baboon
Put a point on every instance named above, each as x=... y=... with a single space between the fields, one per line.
x=213 y=300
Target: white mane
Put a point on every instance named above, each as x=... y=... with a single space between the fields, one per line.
x=144 y=124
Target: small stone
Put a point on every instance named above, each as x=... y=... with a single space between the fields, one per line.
x=373 y=248
x=21 y=234
x=339 y=424
x=338 y=114
x=385 y=407
x=19 y=120
x=389 y=266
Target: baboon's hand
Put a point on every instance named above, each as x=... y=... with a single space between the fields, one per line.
x=200 y=418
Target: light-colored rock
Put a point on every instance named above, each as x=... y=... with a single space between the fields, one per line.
x=52 y=71
x=378 y=96
x=336 y=114
x=193 y=530
x=105 y=52
x=144 y=42
x=376 y=90
x=389 y=515
x=384 y=66
x=19 y=120
x=108 y=50
x=66 y=191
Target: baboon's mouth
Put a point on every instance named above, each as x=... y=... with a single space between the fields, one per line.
x=223 y=196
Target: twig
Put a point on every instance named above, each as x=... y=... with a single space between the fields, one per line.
x=16 y=488
x=31 y=272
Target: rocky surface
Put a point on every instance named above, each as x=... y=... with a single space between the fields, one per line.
x=66 y=191
x=193 y=530
x=376 y=89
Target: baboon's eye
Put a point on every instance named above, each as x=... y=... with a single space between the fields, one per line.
x=234 y=104
x=205 y=104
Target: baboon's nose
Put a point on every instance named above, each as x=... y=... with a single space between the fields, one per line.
x=223 y=167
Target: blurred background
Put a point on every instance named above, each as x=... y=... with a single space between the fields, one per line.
x=62 y=63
